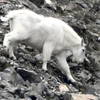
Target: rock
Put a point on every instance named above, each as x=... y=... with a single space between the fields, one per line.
x=85 y=75
x=39 y=57
x=98 y=21
x=27 y=75
x=38 y=3
x=3 y=60
x=83 y=97
x=63 y=88
x=75 y=96
x=10 y=75
x=34 y=93
x=97 y=87
x=49 y=4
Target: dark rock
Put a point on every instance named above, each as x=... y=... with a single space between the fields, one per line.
x=39 y=3
x=31 y=76
x=3 y=62
x=11 y=76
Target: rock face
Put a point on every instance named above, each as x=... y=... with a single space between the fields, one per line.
x=82 y=97
x=24 y=79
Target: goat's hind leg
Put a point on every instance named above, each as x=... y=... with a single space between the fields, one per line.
x=8 y=43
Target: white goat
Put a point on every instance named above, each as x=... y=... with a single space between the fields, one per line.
x=51 y=35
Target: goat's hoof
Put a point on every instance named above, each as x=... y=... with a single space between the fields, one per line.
x=79 y=86
x=44 y=66
x=44 y=69
x=13 y=57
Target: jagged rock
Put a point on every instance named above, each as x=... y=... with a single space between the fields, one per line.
x=63 y=88
x=28 y=4
x=27 y=75
x=10 y=75
x=3 y=61
x=39 y=3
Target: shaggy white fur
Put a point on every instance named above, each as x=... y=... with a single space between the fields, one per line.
x=50 y=34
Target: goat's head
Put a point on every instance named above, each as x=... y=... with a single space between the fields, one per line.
x=78 y=52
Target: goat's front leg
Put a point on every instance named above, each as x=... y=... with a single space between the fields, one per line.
x=11 y=52
x=61 y=58
x=47 y=52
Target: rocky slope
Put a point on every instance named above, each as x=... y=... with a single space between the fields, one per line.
x=24 y=79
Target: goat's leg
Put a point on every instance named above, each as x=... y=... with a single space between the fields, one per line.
x=9 y=42
x=11 y=52
x=6 y=42
x=61 y=58
x=47 y=51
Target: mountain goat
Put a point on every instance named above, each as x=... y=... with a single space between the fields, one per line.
x=48 y=34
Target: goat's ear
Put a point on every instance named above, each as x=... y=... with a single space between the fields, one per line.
x=83 y=43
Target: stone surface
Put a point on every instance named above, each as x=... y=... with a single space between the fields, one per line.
x=83 y=97
x=63 y=88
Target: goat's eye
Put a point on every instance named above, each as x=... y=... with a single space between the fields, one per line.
x=83 y=50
